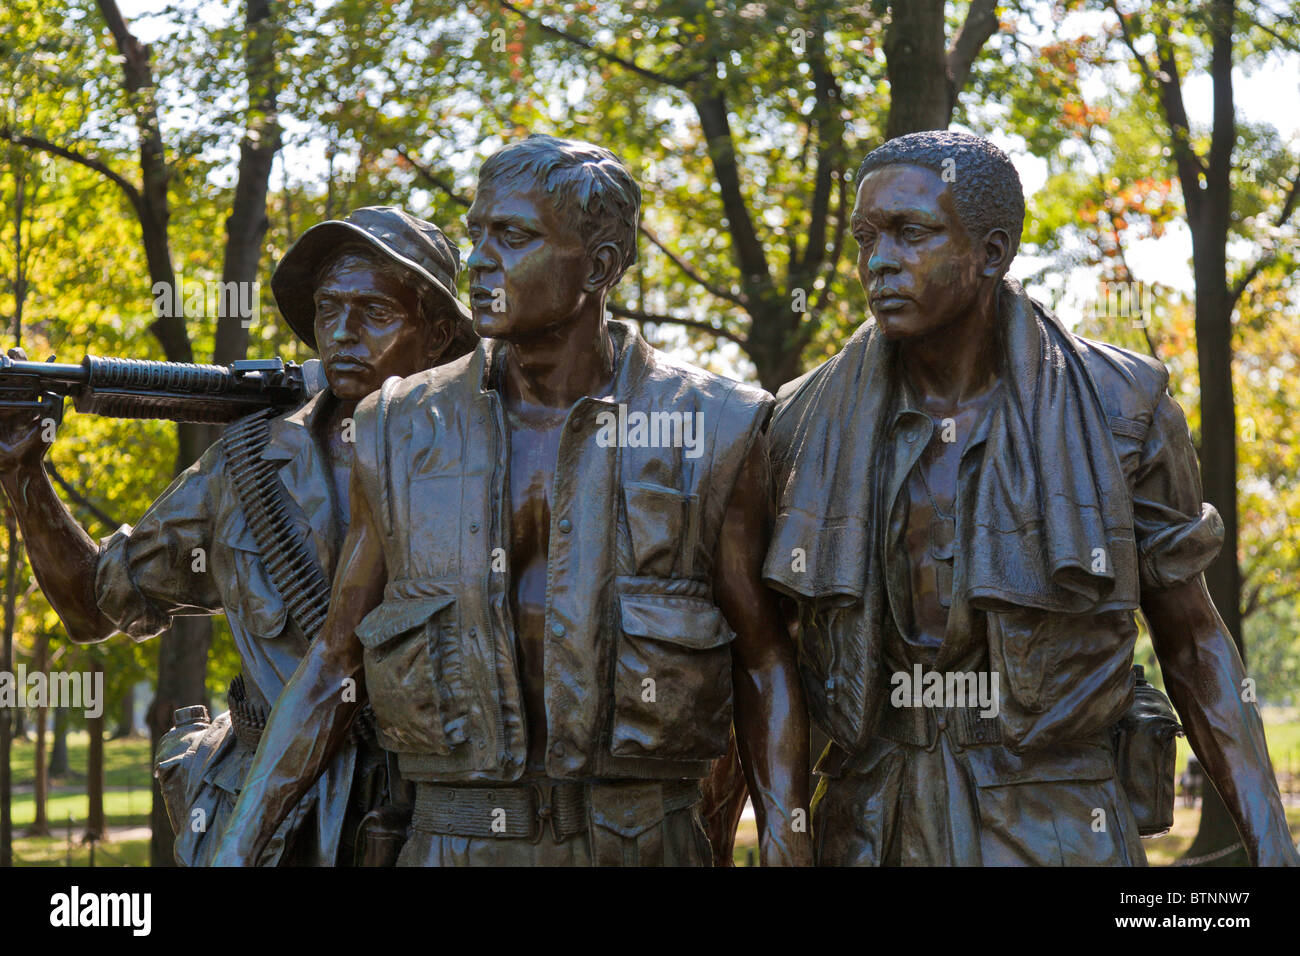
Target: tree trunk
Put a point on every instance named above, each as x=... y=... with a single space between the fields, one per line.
x=7 y=666
x=40 y=822
x=916 y=64
x=126 y=716
x=95 y=828
x=59 y=749
x=1207 y=192
x=247 y=224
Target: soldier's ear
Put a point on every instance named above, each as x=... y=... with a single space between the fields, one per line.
x=997 y=254
x=604 y=261
x=441 y=332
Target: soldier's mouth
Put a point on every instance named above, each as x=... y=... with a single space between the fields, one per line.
x=347 y=363
x=889 y=303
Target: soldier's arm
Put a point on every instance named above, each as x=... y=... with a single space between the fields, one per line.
x=770 y=720
x=63 y=556
x=310 y=720
x=1204 y=676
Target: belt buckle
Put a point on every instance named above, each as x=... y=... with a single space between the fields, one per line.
x=543 y=800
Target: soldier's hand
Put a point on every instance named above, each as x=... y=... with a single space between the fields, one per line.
x=23 y=433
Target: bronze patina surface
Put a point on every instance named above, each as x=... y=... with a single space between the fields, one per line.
x=967 y=489
x=370 y=294
x=553 y=606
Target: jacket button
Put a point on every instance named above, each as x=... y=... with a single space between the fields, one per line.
x=565 y=525
x=830 y=688
x=557 y=749
x=557 y=629
x=473 y=632
x=473 y=527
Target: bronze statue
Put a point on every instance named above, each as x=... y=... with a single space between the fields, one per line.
x=972 y=502
x=374 y=294
x=550 y=591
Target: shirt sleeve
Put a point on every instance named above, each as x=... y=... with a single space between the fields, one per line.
x=1177 y=534
x=162 y=567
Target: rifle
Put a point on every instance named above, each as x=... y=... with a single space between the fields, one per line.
x=172 y=391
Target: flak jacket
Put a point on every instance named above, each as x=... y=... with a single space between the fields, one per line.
x=637 y=659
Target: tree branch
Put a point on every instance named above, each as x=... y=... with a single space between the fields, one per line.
x=599 y=53
x=640 y=316
x=72 y=156
x=981 y=23
x=1143 y=64
x=690 y=272
x=434 y=179
x=1288 y=207
x=78 y=498
x=711 y=108
x=830 y=158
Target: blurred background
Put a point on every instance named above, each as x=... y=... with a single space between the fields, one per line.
x=146 y=142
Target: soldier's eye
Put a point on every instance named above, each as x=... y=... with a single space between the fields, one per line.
x=517 y=237
x=915 y=233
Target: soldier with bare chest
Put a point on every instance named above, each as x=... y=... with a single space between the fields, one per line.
x=556 y=632
x=534 y=446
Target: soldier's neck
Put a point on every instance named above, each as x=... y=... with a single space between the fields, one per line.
x=955 y=366
x=555 y=368
x=332 y=420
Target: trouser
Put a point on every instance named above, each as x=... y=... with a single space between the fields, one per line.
x=956 y=804
x=558 y=823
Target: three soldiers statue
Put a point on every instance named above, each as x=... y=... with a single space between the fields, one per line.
x=568 y=569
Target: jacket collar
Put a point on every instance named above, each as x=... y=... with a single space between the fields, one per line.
x=633 y=360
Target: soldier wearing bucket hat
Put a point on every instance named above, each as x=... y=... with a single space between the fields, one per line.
x=267 y=507
x=409 y=248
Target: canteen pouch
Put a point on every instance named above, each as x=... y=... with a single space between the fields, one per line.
x=174 y=762
x=1146 y=752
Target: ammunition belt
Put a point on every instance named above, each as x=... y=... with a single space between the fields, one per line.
x=290 y=561
x=247 y=719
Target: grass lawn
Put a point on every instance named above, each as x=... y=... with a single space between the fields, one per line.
x=127 y=762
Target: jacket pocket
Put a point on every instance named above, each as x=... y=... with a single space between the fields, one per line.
x=672 y=684
x=1026 y=639
x=414 y=674
x=660 y=522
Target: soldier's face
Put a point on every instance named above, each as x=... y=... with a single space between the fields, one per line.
x=528 y=268
x=918 y=266
x=368 y=327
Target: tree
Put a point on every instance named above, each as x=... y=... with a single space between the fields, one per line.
x=1205 y=174
x=184 y=648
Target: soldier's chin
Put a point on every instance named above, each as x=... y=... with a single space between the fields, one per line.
x=901 y=323
x=352 y=386
x=491 y=325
